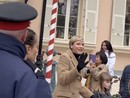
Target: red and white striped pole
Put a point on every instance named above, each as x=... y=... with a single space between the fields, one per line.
x=51 y=40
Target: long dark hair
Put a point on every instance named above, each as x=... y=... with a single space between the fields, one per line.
x=108 y=45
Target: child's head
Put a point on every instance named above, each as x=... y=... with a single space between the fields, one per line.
x=105 y=81
x=101 y=58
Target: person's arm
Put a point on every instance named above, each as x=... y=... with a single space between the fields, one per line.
x=122 y=84
x=111 y=63
x=85 y=92
x=67 y=75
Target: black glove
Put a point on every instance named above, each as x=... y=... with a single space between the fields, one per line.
x=81 y=61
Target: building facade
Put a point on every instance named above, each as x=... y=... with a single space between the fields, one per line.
x=94 y=20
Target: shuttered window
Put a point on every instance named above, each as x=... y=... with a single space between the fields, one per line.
x=67 y=18
x=118 y=23
x=91 y=18
x=127 y=25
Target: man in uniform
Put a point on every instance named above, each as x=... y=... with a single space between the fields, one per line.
x=17 y=78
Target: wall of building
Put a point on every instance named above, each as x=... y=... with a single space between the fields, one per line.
x=104 y=21
x=103 y=29
x=35 y=24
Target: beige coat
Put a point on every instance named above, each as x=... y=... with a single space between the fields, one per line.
x=95 y=72
x=69 y=79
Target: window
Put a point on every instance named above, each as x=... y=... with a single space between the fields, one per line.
x=67 y=18
x=127 y=25
x=75 y=17
x=91 y=19
x=62 y=4
x=120 y=35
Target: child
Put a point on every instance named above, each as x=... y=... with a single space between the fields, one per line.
x=104 y=86
x=95 y=70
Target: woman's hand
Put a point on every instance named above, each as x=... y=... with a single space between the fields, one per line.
x=91 y=63
x=82 y=63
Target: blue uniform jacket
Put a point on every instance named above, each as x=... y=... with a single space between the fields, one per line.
x=124 y=82
x=17 y=80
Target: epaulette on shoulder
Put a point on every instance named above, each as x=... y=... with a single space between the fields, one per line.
x=37 y=71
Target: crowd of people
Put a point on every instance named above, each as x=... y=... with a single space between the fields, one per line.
x=21 y=78
x=72 y=66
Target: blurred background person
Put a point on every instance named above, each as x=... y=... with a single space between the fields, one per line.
x=31 y=44
x=104 y=86
x=94 y=71
x=107 y=48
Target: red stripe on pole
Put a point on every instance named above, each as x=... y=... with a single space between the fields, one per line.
x=51 y=42
x=50 y=52
x=52 y=31
x=53 y=21
x=49 y=62
x=48 y=74
x=54 y=1
x=54 y=11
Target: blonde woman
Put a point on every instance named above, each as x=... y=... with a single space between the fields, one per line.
x=69 y=68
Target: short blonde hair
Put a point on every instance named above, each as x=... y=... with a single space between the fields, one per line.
x=74 y=39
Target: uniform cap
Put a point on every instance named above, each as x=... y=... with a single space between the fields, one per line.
x=16 y=15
